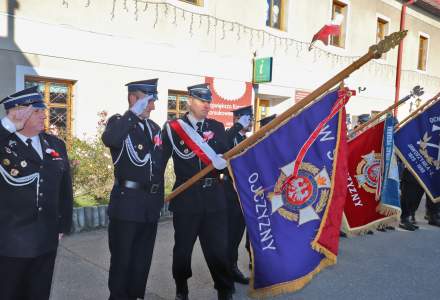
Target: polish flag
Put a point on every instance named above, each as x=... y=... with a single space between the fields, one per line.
x=332 y=29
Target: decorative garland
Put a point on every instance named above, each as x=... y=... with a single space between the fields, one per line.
x=259 y=36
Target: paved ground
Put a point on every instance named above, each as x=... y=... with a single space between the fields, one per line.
x=392 y=265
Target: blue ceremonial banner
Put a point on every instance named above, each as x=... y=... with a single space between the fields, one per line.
x=418 y=145
x=389 y=192
x=292 y=186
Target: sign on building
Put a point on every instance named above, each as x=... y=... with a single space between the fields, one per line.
x=262 y=70
x=228 y=95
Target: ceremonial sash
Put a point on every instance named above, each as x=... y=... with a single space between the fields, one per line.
x=194 y=141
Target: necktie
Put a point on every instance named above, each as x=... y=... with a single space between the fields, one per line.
x=30 y=147
x=146 y=129
x=29 y=143
x=199 y=127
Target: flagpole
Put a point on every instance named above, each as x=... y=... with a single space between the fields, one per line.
x=414 y=92
x=374 y=52
x=418 y=110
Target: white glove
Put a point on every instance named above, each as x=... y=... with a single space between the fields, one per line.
x=219 y=162
x=141 y=104
x=16 y=118
x=244 y=120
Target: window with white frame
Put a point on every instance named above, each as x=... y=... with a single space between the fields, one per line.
x=339 y=8
x=275 y=16
x=381 y=31
x=177 y=104
x=195 y=2
x=58 y=96
x=423 y=52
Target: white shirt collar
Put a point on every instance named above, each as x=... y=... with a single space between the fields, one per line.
x=36 y=144
x=34 y=138
x=194 y=121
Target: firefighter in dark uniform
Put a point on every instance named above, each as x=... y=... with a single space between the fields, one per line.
x=36 y=198
x=432 y=212
x=200 y=211
x=137 y=195
x=412 y=193
x=410 y=199
x=236 y=134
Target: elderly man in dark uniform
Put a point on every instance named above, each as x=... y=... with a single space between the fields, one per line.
x=195 y=141
x=137 y=196
x=36 y=198
x=235 y=135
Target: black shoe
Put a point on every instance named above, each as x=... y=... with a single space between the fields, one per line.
x=237 y=276
x=181 y=290
x=181 y=296
x=389 y=227
x=434 y=220
x=222 y=295
x=381 y=229
x=342 y=234
x=370 y=232
x=406 y=224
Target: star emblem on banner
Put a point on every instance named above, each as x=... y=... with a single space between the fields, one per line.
x=300 y=199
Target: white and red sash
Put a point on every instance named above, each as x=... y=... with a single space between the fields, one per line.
x=194 y=141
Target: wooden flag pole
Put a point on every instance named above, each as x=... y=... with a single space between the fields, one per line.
x=374 y=52
x=418 y=110
x=414 y=92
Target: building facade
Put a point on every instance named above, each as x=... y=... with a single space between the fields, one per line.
x=81 y=53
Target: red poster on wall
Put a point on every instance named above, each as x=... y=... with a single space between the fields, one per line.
x=228 y=95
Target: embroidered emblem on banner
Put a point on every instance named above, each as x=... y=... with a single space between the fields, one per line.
x=300 y=199
x=368 y=172
x=426 y=144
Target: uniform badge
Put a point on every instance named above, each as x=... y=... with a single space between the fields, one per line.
x=140 y=147
x=368 y=172
x=302 y=198
x=157 y=140
x=182 y=143
x=8 y=150
x=208 y=135
x=14 y=172
x=23 y=164
x=12 y=143
x=6 y=162
x=186 y=151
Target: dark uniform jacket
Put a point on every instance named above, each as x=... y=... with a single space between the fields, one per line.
x=196 y=199
x=35 y=195
x=234 y=138
x=130 y=145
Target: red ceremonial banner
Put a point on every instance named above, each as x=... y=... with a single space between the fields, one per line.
x=364 y=169
x=328 y=236
x=228 y=95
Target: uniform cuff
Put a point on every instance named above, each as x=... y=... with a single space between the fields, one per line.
x=8 y=125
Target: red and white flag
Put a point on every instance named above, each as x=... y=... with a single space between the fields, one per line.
x=332 y=29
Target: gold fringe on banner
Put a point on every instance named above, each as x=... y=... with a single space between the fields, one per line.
x=389 y=211
x=361 y=230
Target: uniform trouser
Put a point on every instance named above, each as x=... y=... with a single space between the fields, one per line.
x=26 y=278
x=237 y=225
x=212 y=231
x=236 y=230
x=410 y=199
x=431 y=207
x=131 y=248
